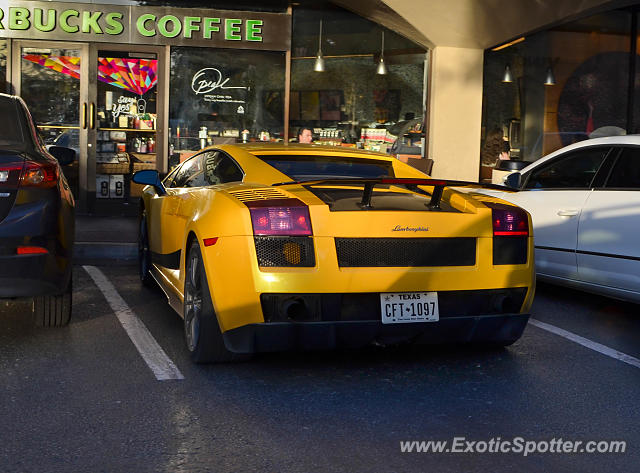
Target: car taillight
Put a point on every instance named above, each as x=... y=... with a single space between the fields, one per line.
x=510 y=234
x=10 y=174
x=508 y=221
x=39 y=174
x=282 y=217
x=31 y=250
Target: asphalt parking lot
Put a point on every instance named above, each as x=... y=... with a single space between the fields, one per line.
x=82 y=398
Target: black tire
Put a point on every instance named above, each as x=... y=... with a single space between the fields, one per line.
x=202 y=332
x=53 y=311
x=144 y=253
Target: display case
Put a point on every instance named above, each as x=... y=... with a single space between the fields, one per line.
x=121 y=152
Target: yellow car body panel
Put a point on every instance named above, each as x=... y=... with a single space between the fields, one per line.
x=236 y=294
x=236 y=281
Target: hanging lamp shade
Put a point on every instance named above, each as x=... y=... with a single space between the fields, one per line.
x=319 y=64
x=507 y=77
x=550 y=79
x=382 y=67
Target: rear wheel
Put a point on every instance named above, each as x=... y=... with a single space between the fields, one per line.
x=53 y=311
x=144 y=253
x=202 y=332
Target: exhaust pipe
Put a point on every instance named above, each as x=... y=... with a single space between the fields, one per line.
x=295 y=309
x=504 y=304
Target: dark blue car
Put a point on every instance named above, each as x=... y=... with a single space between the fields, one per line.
x=36 y=217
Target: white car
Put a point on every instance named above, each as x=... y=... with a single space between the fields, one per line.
x=584 y=201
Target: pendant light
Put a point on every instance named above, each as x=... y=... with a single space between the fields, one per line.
x=507 y=77
x=382 y=67
x=319 y=65
x=551 y=79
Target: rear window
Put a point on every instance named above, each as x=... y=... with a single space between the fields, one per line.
x=11 y=130
x=302 y=168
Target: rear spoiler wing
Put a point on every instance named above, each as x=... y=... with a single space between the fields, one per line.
x=409 y=183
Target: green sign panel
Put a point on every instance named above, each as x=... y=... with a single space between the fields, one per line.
x=142 y=25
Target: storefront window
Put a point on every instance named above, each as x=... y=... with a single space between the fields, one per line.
x=224 y=96
x=3 y=65
x=346 y=101
x=566 y=84
x=50 y=86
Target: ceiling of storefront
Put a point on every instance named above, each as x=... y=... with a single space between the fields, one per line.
x=474 y=23
x=455 y=23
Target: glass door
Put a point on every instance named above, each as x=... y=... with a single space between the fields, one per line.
x=126 y=138
x=51 y=77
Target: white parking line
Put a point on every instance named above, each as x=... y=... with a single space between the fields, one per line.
x=585 y=342
x=152 y=353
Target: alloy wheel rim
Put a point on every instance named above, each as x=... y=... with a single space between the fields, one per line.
x=193 y=303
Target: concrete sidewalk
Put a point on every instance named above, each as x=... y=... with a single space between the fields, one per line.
x=105 y=238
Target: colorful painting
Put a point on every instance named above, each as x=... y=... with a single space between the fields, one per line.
x=68 y=65
x=135 y=75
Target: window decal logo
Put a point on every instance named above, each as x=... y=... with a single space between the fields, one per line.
x=209 y=79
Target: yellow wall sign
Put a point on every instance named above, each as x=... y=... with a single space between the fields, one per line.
x=142 y=25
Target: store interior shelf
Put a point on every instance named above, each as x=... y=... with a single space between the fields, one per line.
x=141 y=155
x=127 y=129
x=58 y=127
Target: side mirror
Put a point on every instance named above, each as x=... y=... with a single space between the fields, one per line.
x=513 y=180
x=150 y=177
x=64 y=155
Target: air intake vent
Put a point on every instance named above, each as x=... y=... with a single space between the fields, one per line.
x=258 y=194
x=405 y=252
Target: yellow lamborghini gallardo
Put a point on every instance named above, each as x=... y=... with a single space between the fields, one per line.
x=268 y=248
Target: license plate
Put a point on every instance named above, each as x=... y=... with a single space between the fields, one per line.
x=406 y=307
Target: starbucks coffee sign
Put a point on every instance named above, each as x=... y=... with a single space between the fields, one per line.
x=142 y=25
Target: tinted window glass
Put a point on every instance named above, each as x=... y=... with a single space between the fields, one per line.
x=626 y=171
x=188 y=172
x=326 y=167
x=11 y=132
x=207 y=169
x=220 y=168
x=574 y=171
x=169 y=179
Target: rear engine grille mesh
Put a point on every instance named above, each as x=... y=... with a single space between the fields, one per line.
x=405 y=252
x=278 y=251
x=258 y=194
